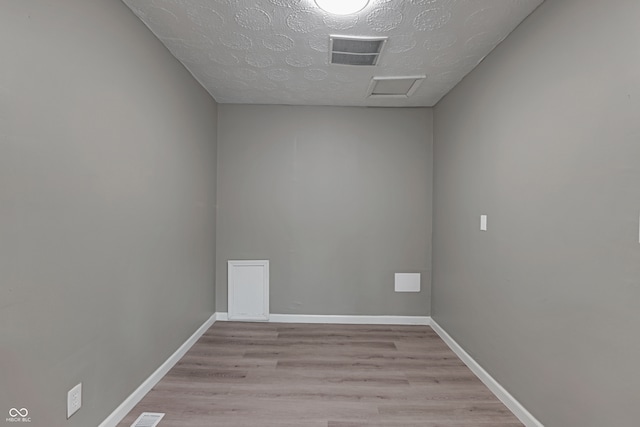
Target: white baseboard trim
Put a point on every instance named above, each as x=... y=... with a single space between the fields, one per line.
x=144 y=388
x=221 y=316
x=344 y=319
x=501 y=393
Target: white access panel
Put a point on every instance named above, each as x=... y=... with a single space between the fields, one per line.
x=248 y=283
x=407 y=282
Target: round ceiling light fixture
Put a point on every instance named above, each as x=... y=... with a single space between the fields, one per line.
x=342 y=7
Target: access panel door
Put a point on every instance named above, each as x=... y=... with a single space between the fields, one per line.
x=248 y=290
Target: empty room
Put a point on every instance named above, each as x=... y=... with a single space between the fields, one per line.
x=320 y=213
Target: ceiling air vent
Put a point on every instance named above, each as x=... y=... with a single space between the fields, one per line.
x=394 y=87
x=345 y=50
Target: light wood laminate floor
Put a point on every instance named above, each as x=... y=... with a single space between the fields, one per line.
x=286 y=375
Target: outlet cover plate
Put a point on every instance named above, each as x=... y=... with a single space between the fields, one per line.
x=74 y=400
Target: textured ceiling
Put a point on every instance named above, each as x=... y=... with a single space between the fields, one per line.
x=276 y=51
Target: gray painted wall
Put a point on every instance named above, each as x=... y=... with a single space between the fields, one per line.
x=338 y=199
x=107 y=206
x=544 y=138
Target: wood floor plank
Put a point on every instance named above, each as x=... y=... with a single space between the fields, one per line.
x=225 y=362
x=286 y=375
x=458 y=411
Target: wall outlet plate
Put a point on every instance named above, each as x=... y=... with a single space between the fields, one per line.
x=74 y=400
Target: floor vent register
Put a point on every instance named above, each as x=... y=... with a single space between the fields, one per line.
x=148 y=419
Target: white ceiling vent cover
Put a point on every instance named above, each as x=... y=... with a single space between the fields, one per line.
x=394 y=87
x=348 y=50
x=148 y=419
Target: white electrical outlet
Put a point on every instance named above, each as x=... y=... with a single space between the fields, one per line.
x=74 y=400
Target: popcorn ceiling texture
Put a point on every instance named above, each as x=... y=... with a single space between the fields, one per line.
x=276 y=51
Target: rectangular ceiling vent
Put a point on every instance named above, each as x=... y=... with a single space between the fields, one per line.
x=394 y=87
x=148 y=419
x=347 y=50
